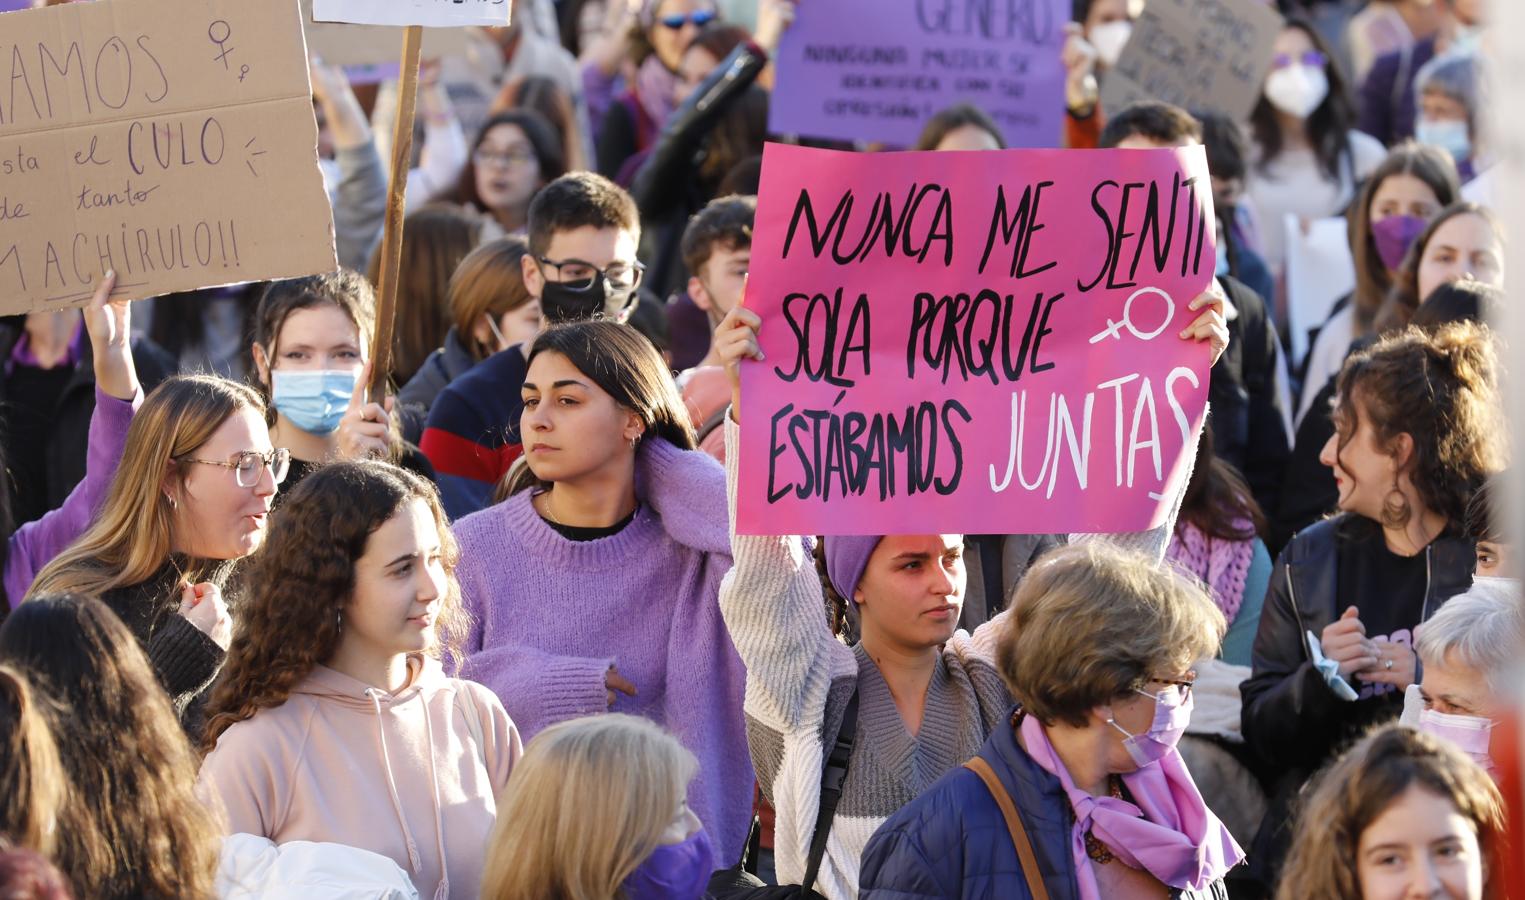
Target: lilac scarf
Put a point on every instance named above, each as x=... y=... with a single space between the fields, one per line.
x=1222 y=564
x=1178 y=840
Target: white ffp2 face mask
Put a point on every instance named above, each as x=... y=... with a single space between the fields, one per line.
x=1110 y=39
x=1298 y=89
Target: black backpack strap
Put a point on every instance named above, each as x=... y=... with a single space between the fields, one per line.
x=833 y=776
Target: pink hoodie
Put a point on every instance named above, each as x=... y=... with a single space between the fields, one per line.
x=412 y=775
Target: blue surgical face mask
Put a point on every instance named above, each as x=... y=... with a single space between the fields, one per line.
x=678 y=871
x=1450 y=135
x=313 y=401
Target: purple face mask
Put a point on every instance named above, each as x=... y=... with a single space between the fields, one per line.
x=1394 y=236
x=1172 y=713
x=678 y=871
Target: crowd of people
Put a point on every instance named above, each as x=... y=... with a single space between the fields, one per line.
x=496 y=633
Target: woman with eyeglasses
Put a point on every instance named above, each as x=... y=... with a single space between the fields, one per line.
x=189 y=500
x=515 y=155
x=1307 y=159
x=1098 y=656
x=662 y=30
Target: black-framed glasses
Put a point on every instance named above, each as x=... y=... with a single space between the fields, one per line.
x=579 y=275
x=699 y=18
x=249 y=465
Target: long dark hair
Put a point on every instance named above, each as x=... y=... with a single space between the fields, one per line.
x=549 y=153
x=1373 y=282
x=1328 y=126
x=1218 y=501
x=131 y=825
x=306 y=575
x=628 y=368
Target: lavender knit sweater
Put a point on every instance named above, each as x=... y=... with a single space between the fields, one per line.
x=552 y=615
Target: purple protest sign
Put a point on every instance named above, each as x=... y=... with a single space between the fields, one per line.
x=875 y=71
x=13 y=5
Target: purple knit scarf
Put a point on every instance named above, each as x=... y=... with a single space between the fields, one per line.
x=1223 y=564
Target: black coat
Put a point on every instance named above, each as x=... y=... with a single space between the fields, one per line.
x=69 y=439
x=1249 y=428
x=1290 y=717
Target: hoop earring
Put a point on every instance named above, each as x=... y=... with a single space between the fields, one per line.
x=173 y=503
x=1396 y=514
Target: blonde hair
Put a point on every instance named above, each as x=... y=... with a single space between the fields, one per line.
x=585 y=806
x=31 y=774
x=131 y=537
x=1355 y=790
x=1091 y=622
x=488 y=282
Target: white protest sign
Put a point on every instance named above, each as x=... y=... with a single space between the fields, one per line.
x=173 y=143
x=1320 y=270
x=432 y=13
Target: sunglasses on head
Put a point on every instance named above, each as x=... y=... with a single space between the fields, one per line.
x=1310 y=58
x=676 y=21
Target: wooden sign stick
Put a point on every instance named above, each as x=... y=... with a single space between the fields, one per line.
x=391 y=240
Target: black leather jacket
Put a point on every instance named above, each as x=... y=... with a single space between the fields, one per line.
x=1290 y=716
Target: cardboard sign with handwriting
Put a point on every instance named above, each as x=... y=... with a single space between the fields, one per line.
x=1201 y=55
x=432 y=13
x=173 y=143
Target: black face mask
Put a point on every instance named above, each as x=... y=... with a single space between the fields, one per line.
x=559 y=303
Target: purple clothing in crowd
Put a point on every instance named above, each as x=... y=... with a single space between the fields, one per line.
x=552 y=615
x=22 y=355
x=36 y=543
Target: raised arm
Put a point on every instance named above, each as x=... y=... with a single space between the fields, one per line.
x=772 y=600
x=117 y=394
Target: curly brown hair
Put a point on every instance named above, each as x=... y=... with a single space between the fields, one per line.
x=305 y=575
x=131 y=824
x=1441 y=389
x=1354 y=791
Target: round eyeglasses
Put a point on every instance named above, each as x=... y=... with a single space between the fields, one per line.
x=249 y=465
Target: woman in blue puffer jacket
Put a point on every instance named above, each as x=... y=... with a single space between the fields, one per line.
x=1098 y=656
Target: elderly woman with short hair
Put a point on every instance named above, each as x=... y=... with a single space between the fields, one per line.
x=1452 y=94
x=1470 y=653
x=1083 y=793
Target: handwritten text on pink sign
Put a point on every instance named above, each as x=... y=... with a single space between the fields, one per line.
x=974 y=342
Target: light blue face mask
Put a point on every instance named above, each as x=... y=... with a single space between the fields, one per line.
x=1450 y=135
x=313 y=401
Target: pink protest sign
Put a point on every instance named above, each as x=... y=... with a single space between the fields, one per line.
x=980 y=343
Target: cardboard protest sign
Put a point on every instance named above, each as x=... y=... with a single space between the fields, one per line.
x=875 y=71
x=1201 y=55
x=172 y=143
x=986 y=347
x=432 y=13
x=357 y=47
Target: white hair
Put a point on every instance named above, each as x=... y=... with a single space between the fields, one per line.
x=1482 y=629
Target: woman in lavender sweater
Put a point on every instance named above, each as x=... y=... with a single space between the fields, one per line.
x=117 y=395
x=595 y=585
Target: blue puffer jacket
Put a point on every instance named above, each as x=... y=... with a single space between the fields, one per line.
x=952 y=840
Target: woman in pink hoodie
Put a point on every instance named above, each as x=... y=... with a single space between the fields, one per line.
x=334 y=721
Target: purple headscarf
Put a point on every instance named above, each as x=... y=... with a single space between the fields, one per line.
x=846 y=558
